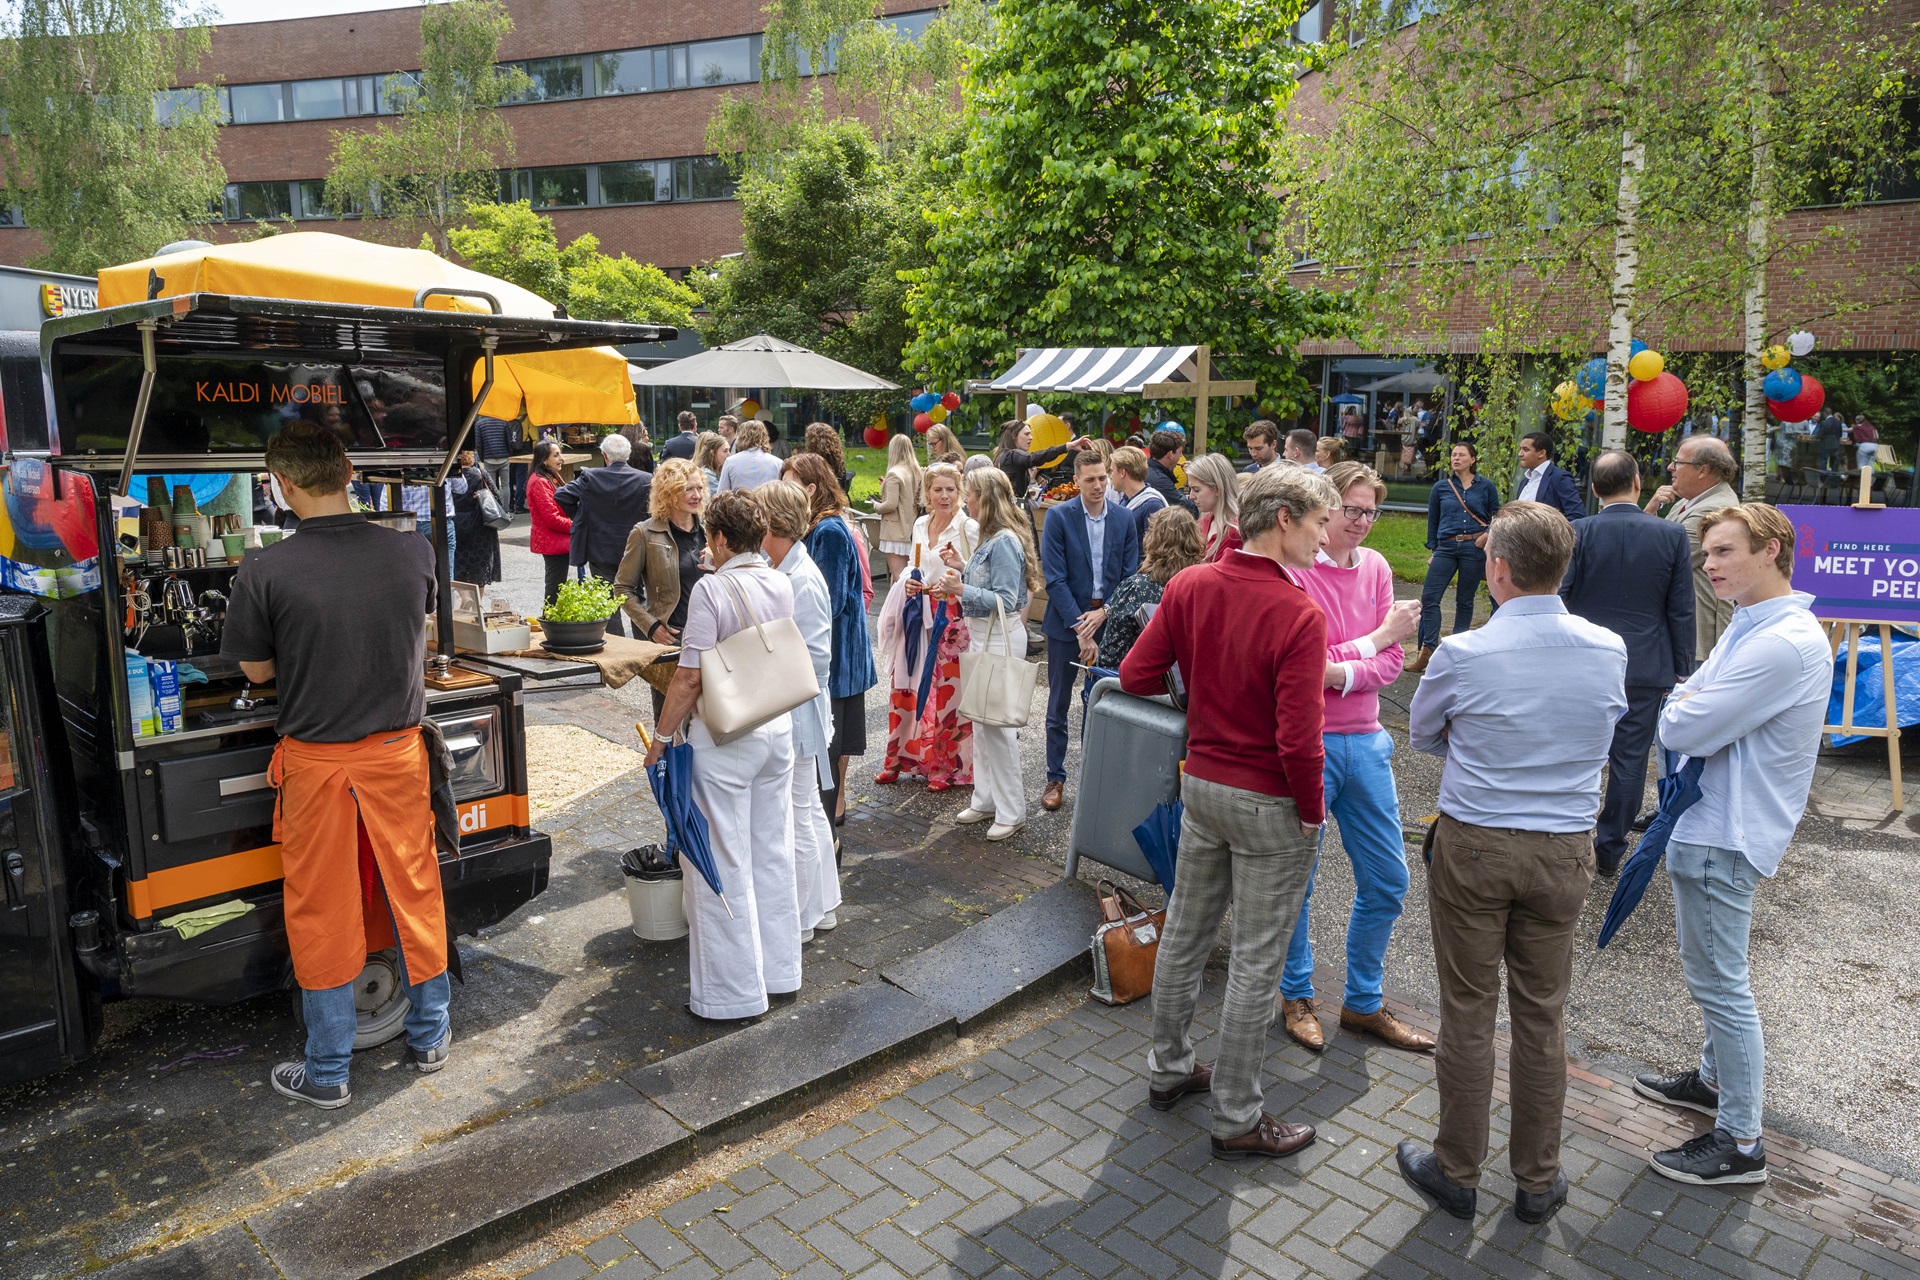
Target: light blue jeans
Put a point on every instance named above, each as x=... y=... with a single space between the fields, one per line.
x=330 y=1024
x=1713 y=912
x=1361 y=798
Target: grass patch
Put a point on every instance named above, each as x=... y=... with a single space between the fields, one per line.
x=869 y=466
x=1402 y=538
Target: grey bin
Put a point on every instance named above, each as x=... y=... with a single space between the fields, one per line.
x=1130 y=754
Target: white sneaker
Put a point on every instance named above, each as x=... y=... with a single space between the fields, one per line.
x=828 y=923
x=806 y=935
x=1002 y=830
x=970 y=815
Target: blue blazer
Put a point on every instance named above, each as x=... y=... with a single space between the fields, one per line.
x=1066 y=561
x=1633 y=576
x=1559 y=489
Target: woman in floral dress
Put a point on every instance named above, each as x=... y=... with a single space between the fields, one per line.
x=937 y=745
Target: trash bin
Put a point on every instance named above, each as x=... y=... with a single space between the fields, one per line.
x=654 y=888
x=1130 y=754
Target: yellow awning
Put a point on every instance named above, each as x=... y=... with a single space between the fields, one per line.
x=589 y=385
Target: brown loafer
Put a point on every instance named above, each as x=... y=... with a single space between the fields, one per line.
x=1418 y=663
x=1303 y=1023
x=1054 y=796
x=1272 y=1136
x=1199 y=1082
x=1388 y=1028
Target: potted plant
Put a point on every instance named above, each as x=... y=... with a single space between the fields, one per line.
x=578 y=615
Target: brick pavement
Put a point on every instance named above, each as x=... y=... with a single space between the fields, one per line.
x=1041 y=1158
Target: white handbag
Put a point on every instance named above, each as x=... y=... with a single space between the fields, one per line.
x=757 y=674
x=996 y=689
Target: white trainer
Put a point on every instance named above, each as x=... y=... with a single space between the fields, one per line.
x=969 y=816
x=1004 y=830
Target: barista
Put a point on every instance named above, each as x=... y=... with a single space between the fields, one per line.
x=336 y=616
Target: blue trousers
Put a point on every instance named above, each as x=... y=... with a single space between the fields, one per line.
x=1713 y=915
x=1450 y=558
x=1061 y=655
x=1361 y=798
x=330 y=1023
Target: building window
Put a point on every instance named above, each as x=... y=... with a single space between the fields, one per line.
x=633 y=182
x=559 y=187
x=318 y=100
x=254 y=201
x=390 y=92
x=256 y=103
x=171 y=106
x=1311 y=28
x=618 y=73
x=733 y=61
x=702 y=178
x=553 y=79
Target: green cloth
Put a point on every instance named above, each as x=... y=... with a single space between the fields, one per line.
x=192 y=924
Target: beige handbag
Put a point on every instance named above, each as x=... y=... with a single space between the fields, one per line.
x=757 y=674
x=996 y=689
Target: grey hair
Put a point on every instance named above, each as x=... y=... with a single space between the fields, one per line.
x=1294 y=488
x=616 y=448
x=1715 y=454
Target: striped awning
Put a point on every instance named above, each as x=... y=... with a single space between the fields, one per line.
x=1095 y=370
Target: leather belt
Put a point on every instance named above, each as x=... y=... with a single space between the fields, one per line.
x=1465 y=537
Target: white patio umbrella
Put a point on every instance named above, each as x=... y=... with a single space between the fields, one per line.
x=761 y=361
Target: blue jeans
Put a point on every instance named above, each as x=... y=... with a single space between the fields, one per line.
x=1361 y=798
x=330 y=1024
x=1450 y=558
x=1713 y=912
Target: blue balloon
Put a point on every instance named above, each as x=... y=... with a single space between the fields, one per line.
x=1636 y=349
x=1171 y=426
x=1592 y=378
x=1781 y=384
x=924 y=401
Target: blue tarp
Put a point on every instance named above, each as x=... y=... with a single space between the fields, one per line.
x=1868 y=709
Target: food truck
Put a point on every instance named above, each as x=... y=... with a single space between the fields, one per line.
x=119 y=815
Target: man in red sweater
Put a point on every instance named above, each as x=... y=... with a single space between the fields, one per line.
x=1252 y=649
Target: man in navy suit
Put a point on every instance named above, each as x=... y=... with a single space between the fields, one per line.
x=1088 y=547
x=605 y=503
x=1542 y=481
x=1632 y=573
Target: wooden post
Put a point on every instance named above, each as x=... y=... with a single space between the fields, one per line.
x=1020 y=411
x=1202 y=388
x=1841 y=632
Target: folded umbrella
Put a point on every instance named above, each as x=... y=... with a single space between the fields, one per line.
x=912 y=615
x=933 y=656
x=1159 y=839
x=1679 y=790
x=672 y=781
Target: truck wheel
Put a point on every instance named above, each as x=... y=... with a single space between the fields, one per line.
x=380 y=1004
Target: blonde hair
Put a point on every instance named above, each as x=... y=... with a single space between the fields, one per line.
x=940 y=439
x=751 y=435
x=1763 y=522
x=1331 y=446
x=994 y=493
x=1344 y=475
x=704 y=446
x=789 y=514
x=1214 y=471
x=671 y=480
x=1131 y=460
x=1172 y=544
x=938 y=471
x=902 y=460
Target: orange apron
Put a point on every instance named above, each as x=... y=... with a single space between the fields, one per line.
x=355 y=826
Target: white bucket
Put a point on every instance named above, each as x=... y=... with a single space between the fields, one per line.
x=659 y=914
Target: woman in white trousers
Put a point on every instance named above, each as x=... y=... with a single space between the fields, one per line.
x=748 y=949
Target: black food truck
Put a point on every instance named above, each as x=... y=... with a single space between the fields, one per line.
x=119 y=814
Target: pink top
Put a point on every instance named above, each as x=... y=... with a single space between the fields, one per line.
x=1355 y=601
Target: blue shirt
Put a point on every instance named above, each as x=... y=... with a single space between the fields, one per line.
x=1523 y=712
x=1446 y=517
x=1097 y=544
x=1754 y=710
x=748 y=469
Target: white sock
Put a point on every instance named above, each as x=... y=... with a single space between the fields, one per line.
x=1747 y=1148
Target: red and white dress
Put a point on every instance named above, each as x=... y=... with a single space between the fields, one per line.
x=937 y=745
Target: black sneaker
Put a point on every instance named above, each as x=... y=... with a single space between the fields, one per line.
x=428 y=1061
x=1710 y=1160
x=290 y=1080
x=1686 y=1089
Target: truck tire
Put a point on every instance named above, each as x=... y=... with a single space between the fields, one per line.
x=380 y=1004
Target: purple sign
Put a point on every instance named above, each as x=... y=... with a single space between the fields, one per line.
x=1863 y=566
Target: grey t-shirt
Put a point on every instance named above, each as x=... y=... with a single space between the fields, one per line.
x=340 y=608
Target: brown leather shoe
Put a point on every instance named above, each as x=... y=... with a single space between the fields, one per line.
x=1199 y=1082
x=1054 y=796
x=1272 y=1136
x=1418 y=662
x=1388 y=1028
x=1303 y=1023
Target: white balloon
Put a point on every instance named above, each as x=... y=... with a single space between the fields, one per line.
x=1800 y=342
x=1034 y=411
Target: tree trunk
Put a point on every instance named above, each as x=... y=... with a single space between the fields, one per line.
x=1626 y=247
x=1753 y=427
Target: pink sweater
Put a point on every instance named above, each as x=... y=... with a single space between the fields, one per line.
x=1355 y=601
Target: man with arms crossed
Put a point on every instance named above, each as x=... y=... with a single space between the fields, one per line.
x=335 y=616
x=1702 y=483
x=1253 y=648
x=1523 y=712
x=1753 y=713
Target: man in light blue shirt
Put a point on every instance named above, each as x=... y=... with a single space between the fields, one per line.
x=1753 y=712
x=1523 y=712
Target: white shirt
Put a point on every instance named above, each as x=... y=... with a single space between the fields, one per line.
x=711 y=613
x=1523 y=712
x=962 y=532
x=813 y=614
x=1530 y=487
x=1754 y=710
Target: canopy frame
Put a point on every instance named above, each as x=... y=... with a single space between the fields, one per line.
x=1029 y=375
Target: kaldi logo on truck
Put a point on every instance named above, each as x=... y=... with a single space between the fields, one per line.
x=210 y=392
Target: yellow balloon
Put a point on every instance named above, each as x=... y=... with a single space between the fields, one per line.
x=938 y=413
x=1048 y=430
x=1775 y=357
x=749 y=408
x=1566 y=391
x=1646 y=366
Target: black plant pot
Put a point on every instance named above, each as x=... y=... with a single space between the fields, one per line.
x=574 y=635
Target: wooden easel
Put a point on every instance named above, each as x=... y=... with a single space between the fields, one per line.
x=1842 y=631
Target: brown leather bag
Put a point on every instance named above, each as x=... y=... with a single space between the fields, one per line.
x=1124 y=946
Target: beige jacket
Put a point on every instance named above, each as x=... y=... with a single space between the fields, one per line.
x=896 y=508
x=1710 y=614
x=648 y=579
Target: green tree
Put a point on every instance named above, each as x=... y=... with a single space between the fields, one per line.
x=450 y=143
x=515 y=244
x=106 y=161
x=1116 y=187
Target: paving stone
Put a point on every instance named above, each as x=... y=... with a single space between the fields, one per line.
x=1041 y=938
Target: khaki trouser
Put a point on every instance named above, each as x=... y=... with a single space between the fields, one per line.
x=1498 y=893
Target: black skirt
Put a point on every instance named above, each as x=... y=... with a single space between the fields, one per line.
x=849 y=726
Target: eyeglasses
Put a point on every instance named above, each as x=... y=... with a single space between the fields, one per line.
x=1685 y=462
x=1365 y=515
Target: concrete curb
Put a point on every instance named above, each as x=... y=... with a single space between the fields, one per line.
x=467 y=1198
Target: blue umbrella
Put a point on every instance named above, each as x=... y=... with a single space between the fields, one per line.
x=910 y=615
x=1159 y=839
x=926 y=668
x=672 y=781
x=1678 y=792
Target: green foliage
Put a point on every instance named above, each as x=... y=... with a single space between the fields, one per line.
x=587 y=599
x=515 y=244
x=88 y=161
x=1116 y=186
x=1885 y=387
x=445 y=152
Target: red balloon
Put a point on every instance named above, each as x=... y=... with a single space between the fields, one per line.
x=1803 y=406
x=876 y=437
x=1655 y=405
x=950 y=401
x=1599 y=406
x=922 y=423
